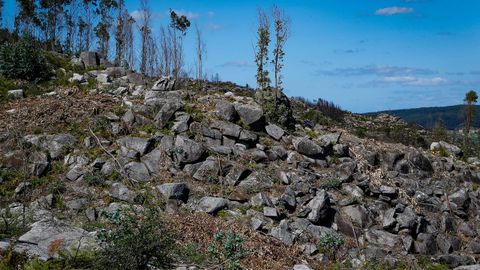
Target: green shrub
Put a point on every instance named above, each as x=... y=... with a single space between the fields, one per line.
x=227 y=249
x=134 y=242
x=94 y=179
x=23 y=60
x=330 y=242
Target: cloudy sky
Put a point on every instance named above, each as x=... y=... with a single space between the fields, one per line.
x=365 y=55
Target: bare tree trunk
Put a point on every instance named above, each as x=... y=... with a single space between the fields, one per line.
x=200 y=55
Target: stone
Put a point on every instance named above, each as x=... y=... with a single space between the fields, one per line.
x=39 y=164
x=407 y=219
x=208 y=171
x=212 y=205
x=56 y=145
x=181 y=122
x=425 y=244
x=227 y=129
x=153 y=160
x=357 y=214
x=270 y=212
x=22 y=187
x=45 y=233
x=137 y=171
x=382 y=238
x=166 y=113
x=261 y=199
x=319 y=207
x=187 y=151
x=307 y=147
x=301 y=267
x=226 y=111
x=16 y=94
x=90 y=58
x=248 y=137
x=76 y=204
x=252 y=115
x=164 y=84
x=176 y=191
x=77 y=78
x=121 y=192
x=419 y=161
x=282 y=233
x=77 y=62
x=448 y=148
x=140 y=145
x=288 y=198
x=460 y=198
x=274 y=131
x=329 y=139
x=103 y=78
x=389 y=220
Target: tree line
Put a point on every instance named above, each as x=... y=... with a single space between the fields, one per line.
x=106 y=26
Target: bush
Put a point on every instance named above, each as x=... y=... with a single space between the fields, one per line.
x=135 y=242
x=23 y=60
x=227 y=250
x=330 y=242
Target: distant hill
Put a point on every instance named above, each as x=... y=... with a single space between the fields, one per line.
x=452 y=116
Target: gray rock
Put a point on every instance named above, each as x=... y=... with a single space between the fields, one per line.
x=208 y=171
x=425 y=244
x=419 y=161
x=137 y=171
x=459 y=260
x=357 y=214
x=251 y=115
x=261 y=199
x=121 y=192
x=22 y=187
x=16 y=94
x=187 y=151
x=140 y=145
x=270 y=212
x=166 y=113
x=39 y=164
x=468 y=267
x=288 y=198
x=90 y=58
x=301 y=267
x=76 y=172
x=77 y=78
x=176 y=191
x=42 y=234
x=182 y=120
x=212 y=205
x=164 y=84
x=152 y=160
x=407 y=219
x=282 y=233
x=319 y=207
x=226 y=111
x=382 y=238
x=274 y=131
x=329 y=139
x=448 y=148
x=227 y=129
x=248 y=137
x=56 y=145
x=389 y=220
x=460 y=198
x=103 y=78
x=307 y=147
x=76 y=204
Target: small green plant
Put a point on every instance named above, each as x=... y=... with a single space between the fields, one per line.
x=192 y=253
x=330 y=242
x=311 y=133
x=142 y=241
x=331 y=184
x=360 y=132
x=94 y=179
x=11 y=223
x=227 y=249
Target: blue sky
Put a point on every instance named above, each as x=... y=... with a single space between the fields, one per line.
x=364 y=55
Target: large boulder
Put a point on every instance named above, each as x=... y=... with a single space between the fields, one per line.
x=276 y=106
x=212 y=205
x=187 y=151
x=137 y=171
x=164 y=84
x=307 y=147
x=274 y=131
x=56 y=145
x=48 y=233
x=319 y=207
x=140 y=145
x=449 y=149
x=176 y=191
x=251 y=115
x=16 y=94
x=166 y=113
x=90 y=58
x=226 y=111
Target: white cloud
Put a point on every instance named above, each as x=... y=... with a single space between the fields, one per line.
x=214 y=26
x=389 y=11
x=137 y=15
x=237 y=64
x=413 y=81
x=211 y=14
x=189 y=14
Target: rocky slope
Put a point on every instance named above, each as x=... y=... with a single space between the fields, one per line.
x=213 y=159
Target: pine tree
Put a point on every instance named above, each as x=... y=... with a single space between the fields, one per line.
x=102 y=30
x=471 y=98
x=181 y=24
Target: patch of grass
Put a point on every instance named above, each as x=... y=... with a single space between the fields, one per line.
x=94 y=179
x=331 y=184
x=192 y=253
x=311 y=133
x=227 y=249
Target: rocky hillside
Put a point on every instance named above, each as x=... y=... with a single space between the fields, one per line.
x=236 y=179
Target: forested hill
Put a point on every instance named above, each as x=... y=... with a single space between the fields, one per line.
x=452 y=116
